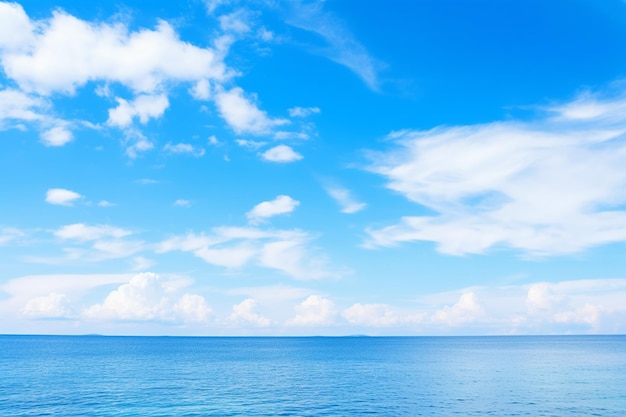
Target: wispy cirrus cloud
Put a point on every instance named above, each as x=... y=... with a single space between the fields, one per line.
x=344 y=198
x=549 y=186
x=342 y=47
x=286 y=251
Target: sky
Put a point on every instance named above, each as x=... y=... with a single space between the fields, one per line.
x=338 y=167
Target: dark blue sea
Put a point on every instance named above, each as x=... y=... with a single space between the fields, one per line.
x=312 y=376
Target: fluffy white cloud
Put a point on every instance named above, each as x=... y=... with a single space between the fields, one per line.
x=242 y=115
x=377 y=315
x=83 y=232
x=344 y=198
x=282 y=204
x=144 y=107
x=62 y=197
x=544 y=187
x=16 y=29
x=56 y=136
x=17 y=106
x=282 y=154
x=149 y=297
x=246 y=311
x=63 y=53
x=51 y=306
x=314 y=311
x=466 y=310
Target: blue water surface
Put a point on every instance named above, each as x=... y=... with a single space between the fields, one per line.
x=312 y=376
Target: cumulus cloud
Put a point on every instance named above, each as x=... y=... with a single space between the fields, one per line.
x=344 y=198
x=466 y=310
x=62 y=197
x=246 y=312
x=281 y=154
x=51 y=306
x=63 y=53
x=150 y=297
x=144 y=107
x=282 y=204
x=314 y=311
x=242 y=115
x=545 y=187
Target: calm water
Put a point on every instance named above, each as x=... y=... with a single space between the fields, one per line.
x=413 y=376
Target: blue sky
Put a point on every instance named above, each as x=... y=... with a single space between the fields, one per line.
x=300 y=168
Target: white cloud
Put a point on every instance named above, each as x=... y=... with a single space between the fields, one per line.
x=265 y=35
x=211 y=5
x=51 y=306
x=344 y=198
x=236 y=21
x=136 y=143
x=184 y=148
x=242 y=115
x=314 y=311
x=466 y=310
x=182 y=203
x=250 y=144
x=144 y=107
x=377 y=315
x=282 y=204
x=287 y=251
x=281 y=154
x=342 y=48
x=83 y=232
x=213 y=141
x=303 y=111
x=105 y=203
x=283 y=135
x=9 y=234
x=56 y=136
x=201 y=90
x=62 y=197
x=545 y=187
x=18 y=106
x=16 y=29
x=63 y=53
x=150 y=297
x=246 y=312
x=139 y=263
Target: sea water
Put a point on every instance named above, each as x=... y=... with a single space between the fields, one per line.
x=312 y=376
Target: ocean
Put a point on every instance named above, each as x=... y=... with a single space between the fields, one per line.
x=313 y=376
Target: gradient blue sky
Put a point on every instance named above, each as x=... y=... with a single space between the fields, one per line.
x=227 y=167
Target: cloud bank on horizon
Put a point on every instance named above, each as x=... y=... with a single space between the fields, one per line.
x=247 y=168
